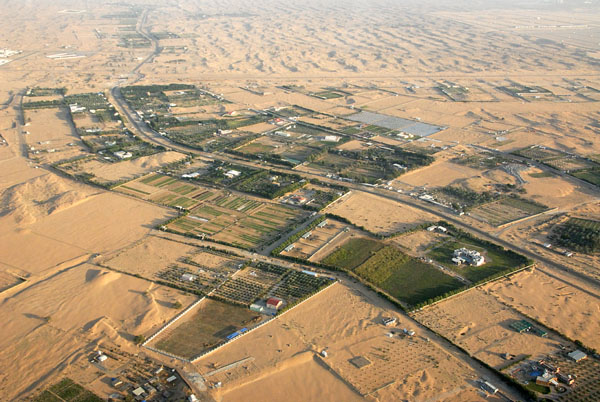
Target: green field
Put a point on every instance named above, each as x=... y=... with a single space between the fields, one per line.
x=67 y=391
x=352 y=253
x=405 y=277
x=497 y=259
x=582 y=235
x=208 y=327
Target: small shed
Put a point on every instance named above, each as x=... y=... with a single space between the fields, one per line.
x=577 y=355
x=274 y=303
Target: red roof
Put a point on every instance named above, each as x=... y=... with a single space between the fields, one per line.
x=271 y=301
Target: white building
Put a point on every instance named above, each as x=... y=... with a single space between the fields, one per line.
x=464 y=256
x=122 y=154
x=232 y=173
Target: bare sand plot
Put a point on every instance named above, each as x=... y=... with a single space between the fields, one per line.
x=45 y=329
x=437 y=174
x=106 y=172
x=552 y=302
x=305 y=373
x=554 y=191
x=50 y=137
x=346 y=323
x=480 y=324
x=49 y=220
x=318 y=240
x=378 y=214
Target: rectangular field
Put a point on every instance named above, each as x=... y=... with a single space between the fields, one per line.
x=496 y=259
x=405 y=277
x=506 y=210
x=385 y=266
x=206 y=328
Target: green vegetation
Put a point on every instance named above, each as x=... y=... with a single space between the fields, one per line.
x=499 y=261
x=370 y=165
x=542 y=389
x=404 y=277
x=353 y=253
x=465 y=199
x=577 y=234
x=270 y=184
x=66 y=391
x=139 y=339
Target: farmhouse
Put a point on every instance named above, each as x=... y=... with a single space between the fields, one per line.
x=546 y=379
x=188 y=277
x=274 y=303
x=322 y=224
x=464 y=256
x=439 y=229
x=577 y=355
x=297 y=200
x=232 y=173
x=122 y=154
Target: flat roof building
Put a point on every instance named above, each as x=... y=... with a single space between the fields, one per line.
x=577 y=355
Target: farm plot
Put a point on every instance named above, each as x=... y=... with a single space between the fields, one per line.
x=316 y=240
x=266 y=280
x=293 y=145
x=497 y=259
x=584 y=169
x=297 y=285
x=405 y=277
x=250 y=284
x=582 y=235
x=314 y=197
x=190 y=278
x=371 y=164
x=385 y=362
x=237 y=220
x=385 y=266
x=270 y=184
x=166 y=190
x=353 y=253
x=506 y=210
x=66 y=390
x=206 y=328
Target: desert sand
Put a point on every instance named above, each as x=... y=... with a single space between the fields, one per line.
x=554 y=303
x=446 y=63
x=378 y=214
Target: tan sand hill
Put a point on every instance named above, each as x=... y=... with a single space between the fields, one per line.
x=40 y=197
x=46 y=329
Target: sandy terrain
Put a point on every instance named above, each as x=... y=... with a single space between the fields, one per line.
x=377 y=214
x=556 y=191
x=387 y=56
x=290 y=344
x=553 y=302
x=480 y=324
x=46 y=330
x=48 y=220
x=127 y=170
x=438 y=174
